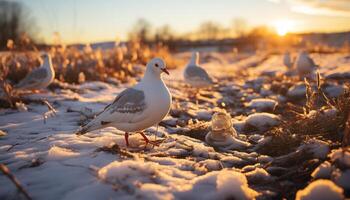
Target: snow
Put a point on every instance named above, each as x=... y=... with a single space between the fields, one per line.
x=147 y=180
x=323 y=171
x=319 y=148
x=228 y=141
x=262 y=104
x=334 y=90
x=343 y=178
x=57 y=153
x=341 y=157
x=258 y=175
x=321 y=190
x=227 y=183
x=262 y=120
x=297 y=91
x=52 y=162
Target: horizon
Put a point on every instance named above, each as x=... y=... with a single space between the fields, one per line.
x=115 y=19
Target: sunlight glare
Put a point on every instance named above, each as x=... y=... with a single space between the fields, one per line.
x=283 y=26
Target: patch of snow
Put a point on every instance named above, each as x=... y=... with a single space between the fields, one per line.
x=58 y=153
x=21 y=107
x=258 y=175
x=297 y=91
x=334 y=90
x=323 y=171
x=208 y=165
x=341 y=157
x=228 y=184
x=150 y=180
x=204 y=114
x=319 y=148
x=262 y=104
x=227 y=141
x=320 y=190
x=343 y=179
x=262 y=120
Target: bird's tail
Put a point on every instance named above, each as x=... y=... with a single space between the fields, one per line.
x=86 y=128
x=81 y=130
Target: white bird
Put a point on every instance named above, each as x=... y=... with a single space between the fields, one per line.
x=196 y=76
x=38 y=78
x=304 y=65
x=138 y=107
x=287 y=61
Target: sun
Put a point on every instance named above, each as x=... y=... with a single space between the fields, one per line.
x=283 y=27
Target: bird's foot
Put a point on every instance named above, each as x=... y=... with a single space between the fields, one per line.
x=147 y=141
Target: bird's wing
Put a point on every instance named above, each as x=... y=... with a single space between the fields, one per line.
x=311 y=61
x=33 y=78
x=197 y=73
x=127 y=107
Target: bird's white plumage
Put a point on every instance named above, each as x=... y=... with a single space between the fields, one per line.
x=195 y=75
x=304 y=65
x=38 y=78
x=287 y=61
x=139 y=107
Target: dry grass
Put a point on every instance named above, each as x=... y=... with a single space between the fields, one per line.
x=75 y=65
x=315 y=119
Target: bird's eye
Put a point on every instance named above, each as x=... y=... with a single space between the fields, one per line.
x=156 y=65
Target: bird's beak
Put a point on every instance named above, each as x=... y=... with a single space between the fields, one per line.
x=165 y=71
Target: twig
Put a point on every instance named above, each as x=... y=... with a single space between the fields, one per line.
x=320 y=91
x=52 y=111
x=6 y=88
x=14 y=180
x=346 y=137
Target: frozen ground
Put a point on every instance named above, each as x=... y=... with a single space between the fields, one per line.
x=53 y=163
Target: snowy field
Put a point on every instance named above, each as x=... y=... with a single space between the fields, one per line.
x=53 y=163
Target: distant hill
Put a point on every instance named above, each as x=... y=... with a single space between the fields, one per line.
x=330 y=39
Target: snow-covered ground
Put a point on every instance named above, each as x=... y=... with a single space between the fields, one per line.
x=53 y=163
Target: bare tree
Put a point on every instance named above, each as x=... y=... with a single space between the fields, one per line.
x=209 y=30
x=164 y=34
x=141 y=30
x=239 y=27
x=15 y=23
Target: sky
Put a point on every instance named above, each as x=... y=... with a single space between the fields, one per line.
x=86 y=21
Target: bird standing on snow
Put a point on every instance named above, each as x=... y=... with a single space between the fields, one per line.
x=287 y=61
x=136 y=108
x=195 y=75
x=38 y=78
x=304 y=65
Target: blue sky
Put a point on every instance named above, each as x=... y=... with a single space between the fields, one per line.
x=100 y=20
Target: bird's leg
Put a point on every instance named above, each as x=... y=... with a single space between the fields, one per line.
x=126 y=135
x=147 y=140
x=197 y=96
x=144 y=137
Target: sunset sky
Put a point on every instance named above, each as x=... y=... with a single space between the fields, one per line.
x=101 y=20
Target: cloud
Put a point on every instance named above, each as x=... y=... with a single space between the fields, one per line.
x=319 y=7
